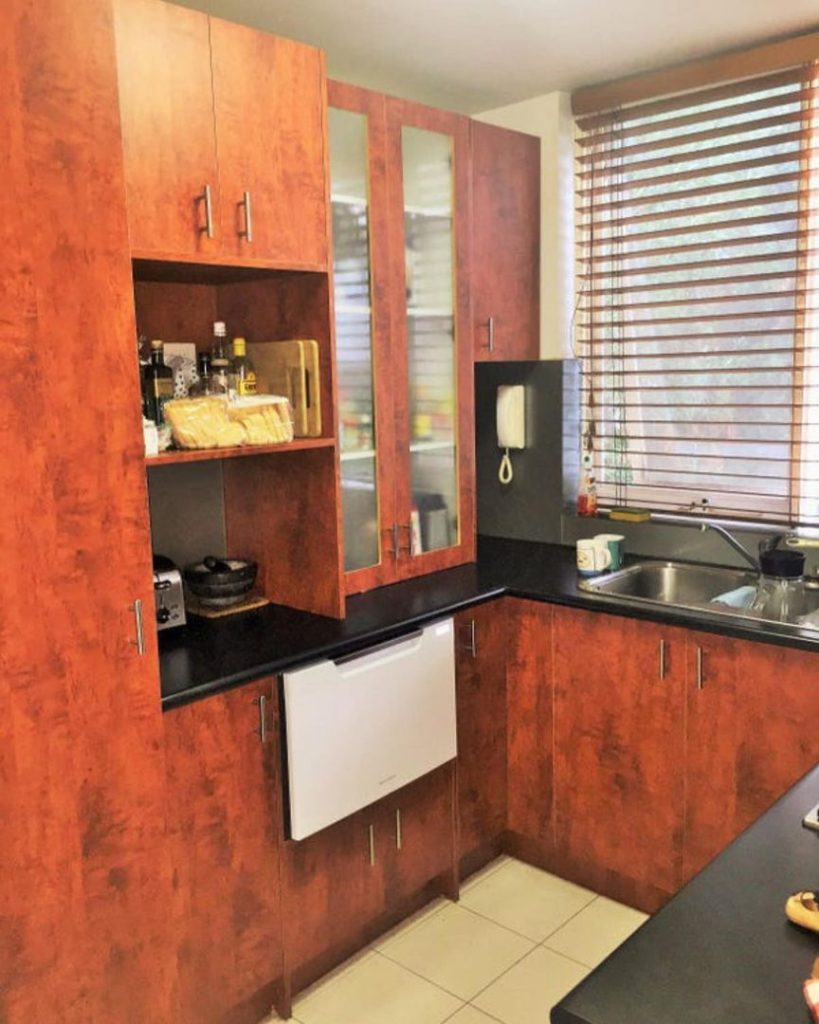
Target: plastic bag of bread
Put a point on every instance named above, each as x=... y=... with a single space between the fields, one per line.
x=266 y=419
x=203 y=423
x=214 y=422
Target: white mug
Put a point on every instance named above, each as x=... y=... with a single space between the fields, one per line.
x=592 y=557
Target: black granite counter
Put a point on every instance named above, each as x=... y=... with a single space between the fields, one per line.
x=210 y=654
x=721 y=951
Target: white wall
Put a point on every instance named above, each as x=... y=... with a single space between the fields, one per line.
x=549 y=116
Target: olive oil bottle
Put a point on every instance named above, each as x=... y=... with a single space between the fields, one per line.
x=158 y=383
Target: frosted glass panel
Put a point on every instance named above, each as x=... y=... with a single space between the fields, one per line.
x=429 y=267
x=354 y=349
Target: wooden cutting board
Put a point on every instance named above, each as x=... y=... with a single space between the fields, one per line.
x=291 y=368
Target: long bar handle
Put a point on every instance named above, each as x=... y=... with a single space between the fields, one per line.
x=490 y=327
x=207 y=199
x=371 y=832
x=700 y=673
x=139 y=639
x=662 y=658
x=248 y=231
x=398 y=828
x=396 y=541
x=262 y=702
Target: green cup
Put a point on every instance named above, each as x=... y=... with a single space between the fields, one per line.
x=614 y=542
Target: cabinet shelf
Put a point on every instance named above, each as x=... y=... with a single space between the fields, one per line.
x=170 y=458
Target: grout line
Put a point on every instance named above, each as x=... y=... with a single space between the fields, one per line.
x=486 y=1013
x=454 y=1013
x=577 y=913
x=502 y=973
x=405 y=927
x=423 y=977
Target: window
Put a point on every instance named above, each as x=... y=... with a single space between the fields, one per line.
x=698 y=306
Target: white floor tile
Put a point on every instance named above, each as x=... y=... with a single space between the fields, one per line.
x=471 y=1015
x=411 y=922
x=527 y=992
x=596 y=931
x=485 y=872
x=458 y=950
x=526 y=899
x=375 y=991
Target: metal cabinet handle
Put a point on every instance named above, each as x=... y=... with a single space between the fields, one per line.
x=398 y=828
x=248 y=231
x=490 y=327
x=408 y=546
x=371 y=831
x=471 y=644
x=662 y=658
x=700 y=673
x=139 y=639
x=206 y=198
x=262 y=702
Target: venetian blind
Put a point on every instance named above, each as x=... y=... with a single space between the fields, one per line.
x=698 y=306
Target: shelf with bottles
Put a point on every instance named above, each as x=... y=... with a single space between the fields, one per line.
x=179 y=306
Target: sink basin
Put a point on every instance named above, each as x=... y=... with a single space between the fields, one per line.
x=699 y=588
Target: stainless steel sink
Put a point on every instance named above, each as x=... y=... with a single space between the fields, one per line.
x=698 y=588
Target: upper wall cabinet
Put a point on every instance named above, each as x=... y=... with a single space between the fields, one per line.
x=506 y=243
x=223 y=134
x=400 y=197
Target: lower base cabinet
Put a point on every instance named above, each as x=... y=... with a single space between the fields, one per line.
x=751 y=730
x=344 y=885
x=619 y=753
x=223 y=824
x=619 y=741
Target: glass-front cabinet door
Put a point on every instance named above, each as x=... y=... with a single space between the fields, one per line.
x=429 y=192
x=358 y=202
x=400 y=207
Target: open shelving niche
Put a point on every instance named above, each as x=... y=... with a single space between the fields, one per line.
x=276 y=504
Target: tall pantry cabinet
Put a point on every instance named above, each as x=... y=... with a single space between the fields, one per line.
x=81 y=764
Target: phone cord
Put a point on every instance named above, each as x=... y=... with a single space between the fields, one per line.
x=505 y=472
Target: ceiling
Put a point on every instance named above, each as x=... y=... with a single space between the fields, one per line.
x=472 y=55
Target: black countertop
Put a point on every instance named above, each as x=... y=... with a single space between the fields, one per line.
x=721 y=951
x=208 y=655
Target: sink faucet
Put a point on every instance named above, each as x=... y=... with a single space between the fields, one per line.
x=735 y=544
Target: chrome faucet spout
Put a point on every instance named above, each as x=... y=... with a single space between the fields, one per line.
x=733 y=542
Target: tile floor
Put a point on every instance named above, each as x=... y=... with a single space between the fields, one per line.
x=515 y=944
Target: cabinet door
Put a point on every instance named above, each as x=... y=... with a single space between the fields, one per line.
x=480 y=669
x=269 y=99
x=224 y=823
x=752 y=710
x=85 y=872
x=419 y=840
x=506 y=243
x=365 y=413
x=333 y=892
x=619 y=744
x=529 y=728
x=432 y=371
x=166 y=103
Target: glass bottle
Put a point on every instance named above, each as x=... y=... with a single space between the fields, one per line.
x=219 y=363
x=242 y=371
x=205 y=384
x=158 y=383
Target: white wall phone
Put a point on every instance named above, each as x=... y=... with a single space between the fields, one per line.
x=511 y=422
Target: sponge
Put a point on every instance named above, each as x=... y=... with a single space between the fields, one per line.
x=630 y=515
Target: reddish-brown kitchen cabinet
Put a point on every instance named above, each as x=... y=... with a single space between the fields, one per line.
x=85 y=879
x=529 y=730
x=223 y=831
x=270 y=106
x=480 y=671
x=344 y=885
x=224 y=140
x=619 y=754
x=751 y=733
x=505 y=243
x=401 y=235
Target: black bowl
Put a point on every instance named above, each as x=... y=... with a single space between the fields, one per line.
x=221 y=582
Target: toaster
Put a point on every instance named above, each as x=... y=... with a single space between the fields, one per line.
x=169 y=598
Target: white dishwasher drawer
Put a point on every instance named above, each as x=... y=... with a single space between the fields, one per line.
x=363 y=726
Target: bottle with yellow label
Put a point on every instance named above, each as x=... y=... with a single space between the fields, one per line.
x=243 y=375
x=158 y=382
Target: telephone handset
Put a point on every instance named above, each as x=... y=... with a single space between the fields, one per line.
x=511 y=425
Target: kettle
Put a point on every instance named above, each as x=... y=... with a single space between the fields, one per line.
x=780 y=593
